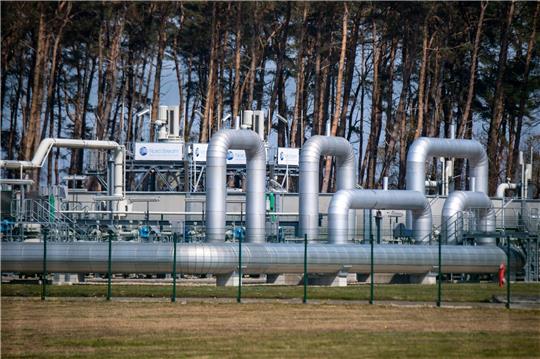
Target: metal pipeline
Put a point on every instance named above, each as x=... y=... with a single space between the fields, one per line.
x=503 y=187
x=216 y=192
x=344 y=200
x=452 y=220
x=47 y=144
x=424 y=148
x=310 y=156
x=220 y=258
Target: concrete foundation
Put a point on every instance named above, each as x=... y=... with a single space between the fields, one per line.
x=227 y=280
x=65 y=278
x=284 y=279
x=382 y=278
x=427 y=278
x=331 y=280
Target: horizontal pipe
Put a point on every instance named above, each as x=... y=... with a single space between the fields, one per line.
x=166 y=213
x=219 y=258
x=344 y=200
x=47 y=144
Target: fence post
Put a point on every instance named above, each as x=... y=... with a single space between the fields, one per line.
x=508 y=272
x=173 y=298
x=378 y=218
x=304 y=300
x=44 y=274
x=372 y=280
x=439 y=282
x=239 y=295
x=109 y=268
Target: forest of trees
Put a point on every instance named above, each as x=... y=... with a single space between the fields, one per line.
x=382 y=73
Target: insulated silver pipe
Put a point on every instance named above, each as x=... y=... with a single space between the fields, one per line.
x=344 y=200
x=220 y=258
x=47 y=144
x=503 y=187
x=216 y=192
x=452 y=219
x=424 y=148
x=310 y=156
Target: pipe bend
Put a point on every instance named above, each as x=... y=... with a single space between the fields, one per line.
x=344 y=200
x=216 y=165
x=310 y=156
x=459 y=201
x=503 y=187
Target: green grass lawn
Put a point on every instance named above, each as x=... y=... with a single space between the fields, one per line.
x=100 y=329
x=462 y=292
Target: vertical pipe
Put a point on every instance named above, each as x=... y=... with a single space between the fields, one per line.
x=385 y=183
x=109 y=269
x=44 y=275
x=173 y=298
x=304 y=300
x=239 y=294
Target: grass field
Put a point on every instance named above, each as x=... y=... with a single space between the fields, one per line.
x=473 y=292
x=99 y=329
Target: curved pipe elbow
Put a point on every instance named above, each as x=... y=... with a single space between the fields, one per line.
x=216 y=194
x=310 y=156
x=425 y=147
x=460 y=201
x=503 y=187
x=344 y=200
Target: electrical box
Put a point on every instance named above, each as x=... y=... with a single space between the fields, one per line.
x=253 y=120
x=170 y=117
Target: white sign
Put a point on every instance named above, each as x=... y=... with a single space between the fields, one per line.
x=288 y=156
x=158 y=151
x=234 y=157
x=199 y=151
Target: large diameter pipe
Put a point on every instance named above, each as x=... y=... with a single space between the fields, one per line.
x=216 y=192
x=424 y=148
x=344 y=200
x=47 y=144
x=503 y=187
x=310 y=156
x=452 y=219
x=219 y=258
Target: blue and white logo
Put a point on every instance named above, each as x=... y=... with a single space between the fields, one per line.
x=143 y=151
x=281 y=155
x=230 y=155
x=197 y=151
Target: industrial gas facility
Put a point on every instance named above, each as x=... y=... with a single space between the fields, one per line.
x=237 y=207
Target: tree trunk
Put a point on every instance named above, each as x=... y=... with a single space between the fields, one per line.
x=494 y=134
x=472 y=74
x=391 y=128
x=336 y=114
x=422 y=81
x=162 y=42
x=513 y=158
x=208 y=114
x=33 y=129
